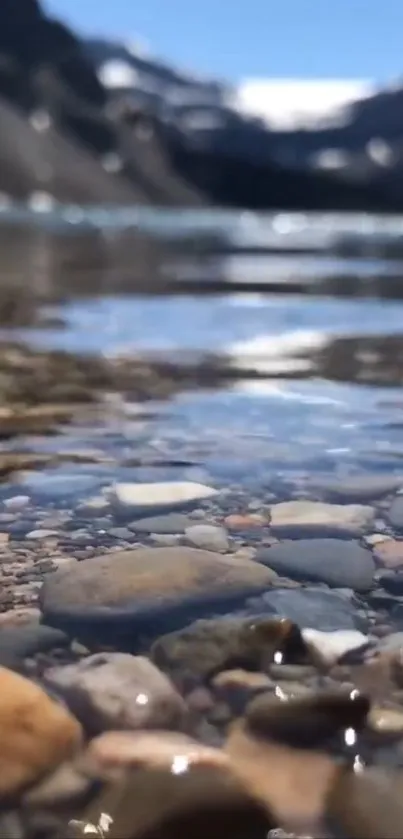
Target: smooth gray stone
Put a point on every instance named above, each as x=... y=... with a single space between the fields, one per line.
x=337 y=562
x=308 y=607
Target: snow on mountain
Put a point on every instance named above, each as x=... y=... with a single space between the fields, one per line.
x=291 y=104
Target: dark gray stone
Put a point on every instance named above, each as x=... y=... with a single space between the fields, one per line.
x=20 y=642
x=336 y=562
x=395 y=514
x=357 y=487
x=308 y=607
x=392 y=582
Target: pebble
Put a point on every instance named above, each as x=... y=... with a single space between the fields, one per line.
x=41 y=534
x=172 y=523
x=59 y=485
x=148 y=587
x=395 y=514
x=312 y=518
x=95 y=506
x=357 y=487
x=158 y=497
x=28 y=639
x=245 y=522
x=330 y=647
x=376 y=539
x=385 y=720
x=316 y=608
x=336 y=562
x=206 y=647
x=110 y=691
x=390 y=553
x=36 y=733
x=392 y=582
x=17 y=503
x=208 y=537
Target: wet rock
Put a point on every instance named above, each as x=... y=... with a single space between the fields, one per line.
x=172 y=524
x=291 y=783
x=297 y=518
x=390 y=553
x=395 y=514
x=358 y=487
x=329 y=647
x=206 y=647
x=208 y=537
x=158 y=497
x=169 y=786
x=238 y=687
x=385 y=720
x=118 y=691
x=244 y=522
x=36 y=734
x=332 y=561
x=41 y=534
x=308 y=721
x=20 y=642
x=59 y=485
x=316 y=608
x=392 y=582
x=365 y=804
x=19 y=617
x=155 y=589
x=17 y=503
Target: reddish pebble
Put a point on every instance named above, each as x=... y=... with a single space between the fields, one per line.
x=390 y=553
x=244 y=522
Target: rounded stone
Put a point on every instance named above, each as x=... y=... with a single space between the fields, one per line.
x=332 y=561
x=153 y=588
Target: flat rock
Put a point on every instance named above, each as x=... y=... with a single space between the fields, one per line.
x=395 y=514
x=337 y=562
x=170 y=524
x=26 y=640
x=111 y=691
x=330 y=647
x=156 y=589
x=206 y=647
x=36 y=733
x=314 y=518
x=357 y=487
x=158 y=497
x=208 y=537
x=308 y=607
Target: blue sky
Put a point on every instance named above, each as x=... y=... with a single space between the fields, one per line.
x=237 y=38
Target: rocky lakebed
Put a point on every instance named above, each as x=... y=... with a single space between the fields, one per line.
x=190 y=643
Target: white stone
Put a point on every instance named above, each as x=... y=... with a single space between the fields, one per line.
x=158 y=497
x=41 y=534
x=207 y=537
x=331 y=646
x=312 y=516
x=17 y=502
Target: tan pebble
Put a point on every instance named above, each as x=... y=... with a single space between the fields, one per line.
x=377 y=538
x=19 y=617
x=390 y=553
x=4 y=538
x=244 y=521
x=233 y=679
x=36 y=733
x=385 y=720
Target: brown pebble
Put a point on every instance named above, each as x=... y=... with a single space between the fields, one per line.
x=245 y=521
x=390 y=553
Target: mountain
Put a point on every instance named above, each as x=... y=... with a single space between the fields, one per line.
x=101 y=122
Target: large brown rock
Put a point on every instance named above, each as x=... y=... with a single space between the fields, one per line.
x=36 y=733
x=153 y=588
x=118 y=691
x=166 y=786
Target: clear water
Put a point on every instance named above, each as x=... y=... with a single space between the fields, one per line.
x=298 y=405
